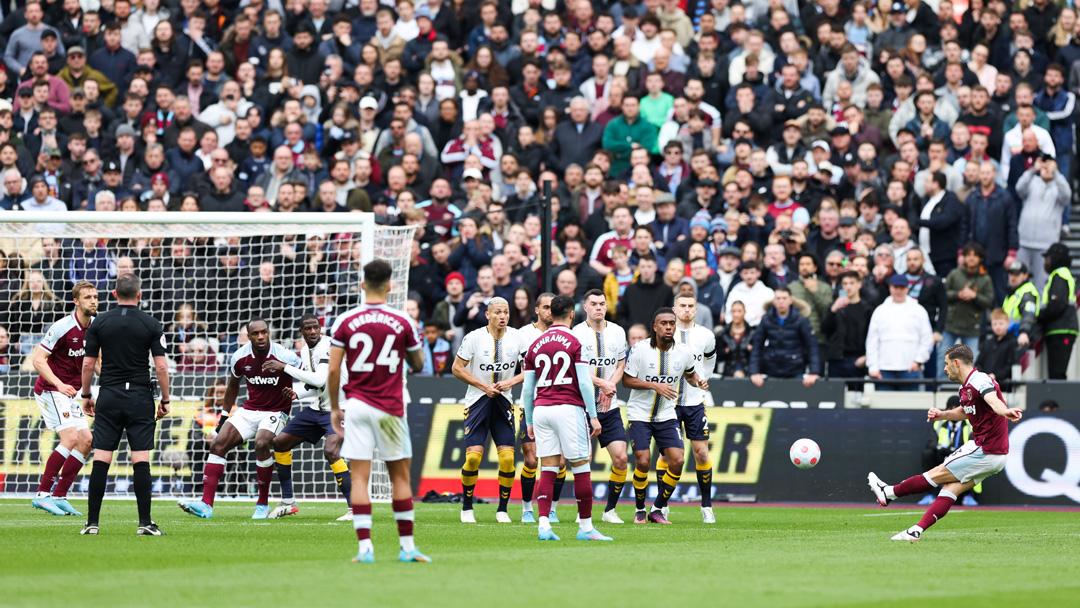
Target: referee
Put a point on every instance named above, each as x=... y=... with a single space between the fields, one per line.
x=124 y=336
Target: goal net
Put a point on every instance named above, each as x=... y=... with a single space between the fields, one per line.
x=204 y=276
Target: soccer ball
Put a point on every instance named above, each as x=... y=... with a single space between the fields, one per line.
x=805 y=453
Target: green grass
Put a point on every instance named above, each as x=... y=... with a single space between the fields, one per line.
x=751 y=557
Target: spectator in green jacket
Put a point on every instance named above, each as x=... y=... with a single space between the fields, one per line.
x=627 y=132
x=971 y=294
x=817 y=294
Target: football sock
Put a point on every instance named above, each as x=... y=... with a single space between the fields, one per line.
x=469 y=472
x=506 y=476
x=99 y=476
x=544 y=489
x=528 y=481
x=919 y=484
x=615 y=484
x=212 y=473
x=52 y=468
x=938 y=509
x=704 y=482
x=403 y=515
x=560 y=479
x=72 y=466
x=265 y=471
x=361 y=522
x=641 y=486
x=583 y=495
x=665 y=489
x=661 y=468
x=284 y=474
x=143 y=486
x=344 y=480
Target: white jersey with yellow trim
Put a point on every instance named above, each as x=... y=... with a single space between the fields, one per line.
x=702 y=342
x=489 y=359
x=650 y=364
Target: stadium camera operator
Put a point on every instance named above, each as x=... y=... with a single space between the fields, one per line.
x=123 y=336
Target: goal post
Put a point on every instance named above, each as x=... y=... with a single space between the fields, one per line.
x=204 y=275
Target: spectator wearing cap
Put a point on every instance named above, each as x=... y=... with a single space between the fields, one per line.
x=39 y=199
x=783 y=153
x=1021 y=305
x=419 y=47
x=76 y=73
x=784 y=345
x=699 y=233
x=1057 y=310
x=304 y=60
x=112 y=181
x=705 y=200
x=127 y=153
x=989 y=219
x=898 y=31
x=898 y=340
x=159 y=188
x=1044 y=192
x=668 y=227
x=940 y=221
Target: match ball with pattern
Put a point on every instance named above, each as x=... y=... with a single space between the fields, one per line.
x=805 y=453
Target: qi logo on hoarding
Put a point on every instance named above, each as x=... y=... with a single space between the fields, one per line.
x=1051 y=483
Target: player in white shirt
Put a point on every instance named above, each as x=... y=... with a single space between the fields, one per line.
x=486 y=361
x=312 y=422
x=529 y=334
x=654 y=368
x=690 y=408
x=604 y=346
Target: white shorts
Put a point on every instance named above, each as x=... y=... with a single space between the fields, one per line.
x=250 y=422
x=969 y=463
x=368 y=429
x=60 y=411
x=562 y=430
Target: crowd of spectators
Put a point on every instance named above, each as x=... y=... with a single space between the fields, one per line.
x=848 y=188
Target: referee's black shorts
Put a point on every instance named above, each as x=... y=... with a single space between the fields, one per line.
x=121 y=407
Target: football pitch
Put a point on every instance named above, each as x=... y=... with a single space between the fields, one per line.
x=752 y=556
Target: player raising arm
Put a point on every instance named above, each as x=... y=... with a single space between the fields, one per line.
x=372 y=339
x=264 y=414
x=58 y=360
x=558 y=386
x=982 y=403
x=604 y=346
x=312 y=423
x=653 y=370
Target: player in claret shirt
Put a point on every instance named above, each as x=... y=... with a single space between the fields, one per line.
x=560 y=414
x=982 y=403
x=263 y=416
x=59 y=360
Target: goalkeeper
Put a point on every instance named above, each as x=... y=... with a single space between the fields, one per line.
x=312 y=423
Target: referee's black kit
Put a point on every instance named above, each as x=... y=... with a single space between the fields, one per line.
x=124 y=338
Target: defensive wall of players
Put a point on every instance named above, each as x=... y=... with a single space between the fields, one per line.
x=750 y=432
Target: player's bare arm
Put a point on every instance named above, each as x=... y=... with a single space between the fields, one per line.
x=461 y=372
x=1012 y=414
x=41 y=364
x=667 y=391
x=333 y=383
x=696 y=380
x=415 y=359
x=505 y=385
x=955 y=415
x=161 y=369
x=88 y=367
